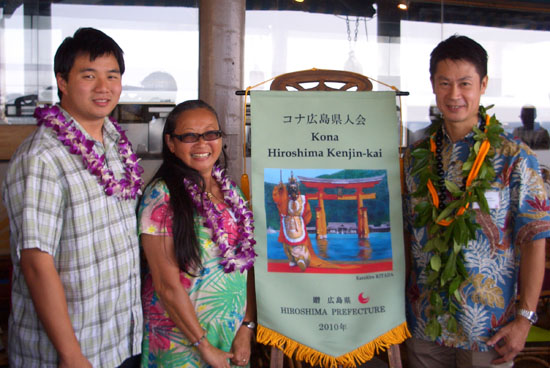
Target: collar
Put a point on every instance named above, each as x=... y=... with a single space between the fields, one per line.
x=468 y=137
x=109 y=129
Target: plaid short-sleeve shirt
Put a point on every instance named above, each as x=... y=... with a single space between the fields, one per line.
x=54 y=204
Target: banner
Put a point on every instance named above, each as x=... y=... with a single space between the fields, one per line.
x=326 y=195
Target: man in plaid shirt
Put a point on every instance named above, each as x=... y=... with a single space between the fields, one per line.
x=74 y=246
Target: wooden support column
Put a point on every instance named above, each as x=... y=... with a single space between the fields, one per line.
x=221 y=53
x=3 y=91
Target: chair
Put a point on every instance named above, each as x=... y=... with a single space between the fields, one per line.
x=324 y=80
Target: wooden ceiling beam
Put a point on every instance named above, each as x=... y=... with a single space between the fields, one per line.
x=523 y=6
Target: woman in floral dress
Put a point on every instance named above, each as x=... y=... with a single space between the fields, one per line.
x=197 y=237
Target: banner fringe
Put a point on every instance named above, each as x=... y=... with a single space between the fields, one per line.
x=313 y=357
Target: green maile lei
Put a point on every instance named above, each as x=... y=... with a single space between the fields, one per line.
x=445 y=270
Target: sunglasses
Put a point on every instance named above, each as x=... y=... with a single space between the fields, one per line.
x=210 y=135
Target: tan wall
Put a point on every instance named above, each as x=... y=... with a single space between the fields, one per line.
x=10 y=138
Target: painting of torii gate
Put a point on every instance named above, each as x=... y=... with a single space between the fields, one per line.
x=327 y=220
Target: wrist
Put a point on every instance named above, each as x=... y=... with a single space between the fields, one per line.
x=72 y=359
x=204 y=346
x=249 y=328
x=69 y=351
x=251 y=325
x=200 y=341
x=528 y=315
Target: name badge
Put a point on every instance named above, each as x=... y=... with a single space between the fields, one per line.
x=493 y=200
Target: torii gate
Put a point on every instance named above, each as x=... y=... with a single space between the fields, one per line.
x=340 y=184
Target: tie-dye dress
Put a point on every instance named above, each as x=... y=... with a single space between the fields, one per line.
x=219 y=298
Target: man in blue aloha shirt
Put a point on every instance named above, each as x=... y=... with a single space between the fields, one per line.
x=492 y=325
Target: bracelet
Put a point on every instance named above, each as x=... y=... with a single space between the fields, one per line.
x=250 y=324
x=198 y=342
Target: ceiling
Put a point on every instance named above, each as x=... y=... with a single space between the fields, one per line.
x=532 y=14
x=360 y=8
x=527 y=14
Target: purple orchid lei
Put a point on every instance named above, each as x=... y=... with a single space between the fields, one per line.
x=234 y=257
x=127 y=187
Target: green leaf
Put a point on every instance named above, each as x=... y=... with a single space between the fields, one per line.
x=478 y=133
x=420 y=166
x=471 y=229
x=452 y=308
x=449 y=270
x=456 y=294
x=483 y=171
x=420 y=153
x=461 y=233
x=477 y=145
x=422 y=207
x=467 y=166
x=433 y=329
x=432 y=277
x=436 y=302
x=435 y=262
x=421 y=220
x=457 y=247
x=434 y=213
x=453 y=286
x=434 y=229
x=452 y=325
x=448 y=233
x=430 y=245
x=460 y=268
x=441 y=245
x=447 y=211
x=481 y=200
x=453 y=188
x=490 y=173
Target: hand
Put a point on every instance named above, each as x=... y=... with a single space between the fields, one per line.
x=74 y=361
x=241 y=347
x=213 y=356
x=510 y=339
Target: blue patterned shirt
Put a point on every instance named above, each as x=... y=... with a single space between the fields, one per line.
x=518 y=215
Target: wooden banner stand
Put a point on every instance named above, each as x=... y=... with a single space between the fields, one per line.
x=277 y=358
x=301 y=81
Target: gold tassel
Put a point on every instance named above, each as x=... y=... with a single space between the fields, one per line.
x=313 y=357
x=245 y=186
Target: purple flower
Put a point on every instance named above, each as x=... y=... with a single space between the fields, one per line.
x=78 y=144
x=241 y=255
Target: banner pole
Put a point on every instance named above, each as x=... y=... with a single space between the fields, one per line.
x=397 y=93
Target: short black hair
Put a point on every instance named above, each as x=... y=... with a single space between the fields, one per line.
x=85 y=41
x=459 y=47
x=528 y=112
